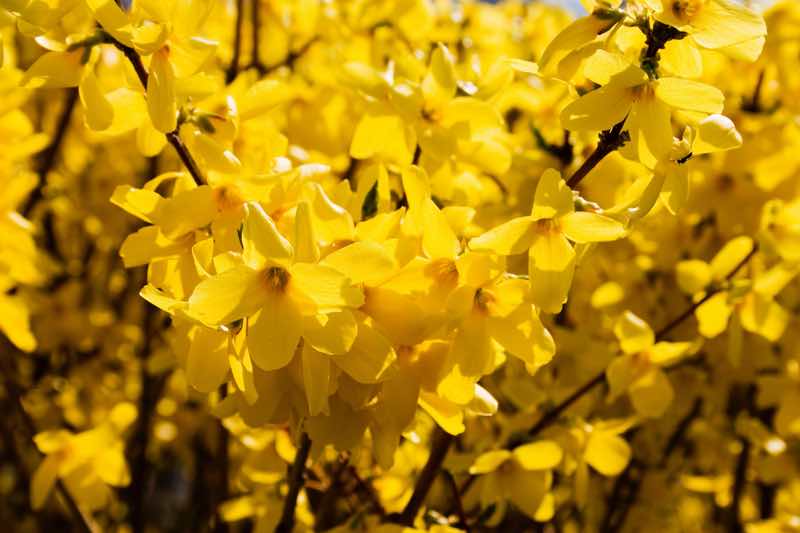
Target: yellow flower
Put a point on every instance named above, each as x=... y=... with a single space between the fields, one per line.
x=638 y=372
x=722 y=25
x=545 y=234
x=87 y=462
x=522 y=476
x=645 y=105
x=282 y=296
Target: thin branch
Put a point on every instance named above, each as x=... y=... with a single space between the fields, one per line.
x=617 y=514
x=664 y=331
x=440 y=445
x=15 y=393
x=610 y=140
x=368 y=490
x=459 y=504
x=753 y=105
x=255 y=61
x=172 y=137
x=552 y=415
x=48 y=157
x=296 y=480
x=233 y=68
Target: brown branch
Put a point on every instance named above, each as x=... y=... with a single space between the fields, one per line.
x=440 y=445
x=233 y=68
x=82 y=521
x=660 y=334
x=368 y=490
x=552 y=415
x=172 y=137
x=296 y=479
x=459 y=504
x=47 y=159
x=610 y=140
x=255 y=61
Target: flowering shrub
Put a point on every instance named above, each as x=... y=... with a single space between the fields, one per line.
x=400 y=265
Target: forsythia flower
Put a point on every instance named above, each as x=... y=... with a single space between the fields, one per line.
x=545 y=234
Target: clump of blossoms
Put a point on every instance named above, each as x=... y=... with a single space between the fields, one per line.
x=400 y=265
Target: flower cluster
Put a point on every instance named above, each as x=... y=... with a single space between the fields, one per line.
x=486 y=255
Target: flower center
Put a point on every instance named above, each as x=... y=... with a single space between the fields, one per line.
x=685 y=10
x=443 y=271
x=227 y=198
x=277 y=279
x=482 y=300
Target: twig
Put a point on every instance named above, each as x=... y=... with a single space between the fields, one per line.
x=610 y=140
x=459 y=504
x=136 y=450
x=82 y=521
x=296 y=480
x=173 y=137
x=324 y=515
x=753 y=105
x=660 y=334
x=625 y=481
x=440 y=445
x=223 y=463
x=48 y=156
x=368 y=490
x=552 y=415
x=233 y=68
x=255 y=61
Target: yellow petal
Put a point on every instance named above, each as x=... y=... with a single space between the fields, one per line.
x=232 y=295
x=99 y=112
x=716 y=133
x=584 y=226
x=489 y=461
x=607 y=453
x=43 y=480
x=262 y=241
x=512 y=237
x=316 y=377
x=553 y=198
x=439 y=84
x=693 y=275
x=363 y=262
x=540 y=455
x=161 y=103
x=328 y=288
x=140 y=203
x=187 y=211
x=273 y=333
x=633 y=333
x=730 y=256
x=550 y=288
x=688 y=95
x=207 y=360
x=15 y=323
x=764 y=316
x=147 y=245
x=305 y=244
x=551 y=251
x=650 y=130
x=597 y=110
x=446 y=414
x=651 y=394
x=54 y=70
x=370 y=356
x=333 y=333
x=712 y=315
